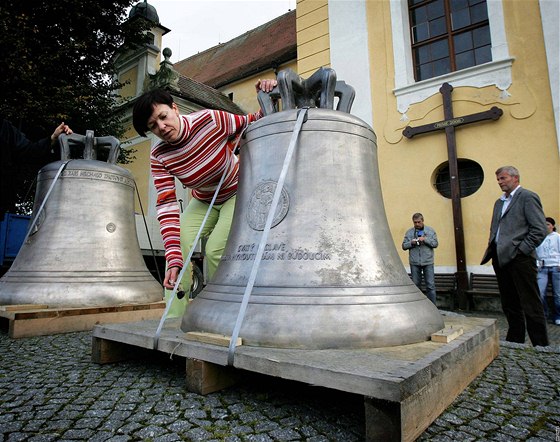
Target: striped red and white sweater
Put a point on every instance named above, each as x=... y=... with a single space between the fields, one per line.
x=198 y=159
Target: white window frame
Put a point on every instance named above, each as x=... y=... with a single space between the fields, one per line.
x=408 y=91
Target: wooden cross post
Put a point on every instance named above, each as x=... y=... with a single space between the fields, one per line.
x=449 y=125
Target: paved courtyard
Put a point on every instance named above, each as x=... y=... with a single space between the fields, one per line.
x=51 y=391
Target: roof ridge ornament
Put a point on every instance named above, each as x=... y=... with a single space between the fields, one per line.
x=166 y=76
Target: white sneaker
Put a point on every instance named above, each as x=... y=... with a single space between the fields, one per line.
x=557 y=322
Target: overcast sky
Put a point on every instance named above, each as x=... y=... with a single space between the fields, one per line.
x=197 y=25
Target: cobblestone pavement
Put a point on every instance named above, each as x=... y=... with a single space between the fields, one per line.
x=51 y=391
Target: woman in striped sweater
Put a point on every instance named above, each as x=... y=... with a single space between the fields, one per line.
x=197 y=149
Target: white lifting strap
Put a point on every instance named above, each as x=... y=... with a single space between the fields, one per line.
x=275 y=199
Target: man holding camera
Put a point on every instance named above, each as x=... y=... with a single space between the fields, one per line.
x=420 y=241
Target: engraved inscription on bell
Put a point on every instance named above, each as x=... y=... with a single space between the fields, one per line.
x=259 y=205
x=275 y=252
x=98 y=175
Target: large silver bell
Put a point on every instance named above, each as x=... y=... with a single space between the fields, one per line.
x=82 y=249
x=330 y=276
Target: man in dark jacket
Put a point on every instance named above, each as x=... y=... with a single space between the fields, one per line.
x=518 y=227
x=16 y=149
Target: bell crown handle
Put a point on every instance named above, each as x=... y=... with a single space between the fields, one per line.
x=345 y=94
x=268 y=101
x=319 y=91
x=90 y=145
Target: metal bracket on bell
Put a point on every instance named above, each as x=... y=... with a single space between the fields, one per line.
x=90 y=145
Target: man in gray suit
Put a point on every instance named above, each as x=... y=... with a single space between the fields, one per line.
x=518 y=227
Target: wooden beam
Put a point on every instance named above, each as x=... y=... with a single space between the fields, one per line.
x=447 y=334
x=204 y=377
x=211 y=338
x=20 y=307
x=104 y=351
x=27 y=322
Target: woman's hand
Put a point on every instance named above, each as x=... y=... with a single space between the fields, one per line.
x=265 y=85
x=171 y=278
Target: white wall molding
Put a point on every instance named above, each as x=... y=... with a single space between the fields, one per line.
x=347 y=46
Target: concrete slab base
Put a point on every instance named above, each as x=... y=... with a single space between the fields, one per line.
x=405 y=388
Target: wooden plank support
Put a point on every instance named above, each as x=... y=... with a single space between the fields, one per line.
x=405 y=388
x=204 y=377
x=447 y=334
x=211 y=338
x=104 y=351
x=23 y=323
x=406 y=420
x=20 y=307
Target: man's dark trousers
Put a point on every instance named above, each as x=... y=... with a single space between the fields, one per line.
x=521 y=302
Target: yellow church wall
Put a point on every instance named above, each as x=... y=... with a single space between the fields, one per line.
x=524 y=137
x=129 y=133
x=534 y=135
x=310 y=12
x=307 y=67
x=140 y=169
x=314 y=46
x=129 y=78
x=312 y=36
x=312 y=32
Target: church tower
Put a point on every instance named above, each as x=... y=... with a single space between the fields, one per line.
x=134 y=66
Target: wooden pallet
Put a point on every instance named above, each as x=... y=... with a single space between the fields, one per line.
x=405 y=388
x=25 y=320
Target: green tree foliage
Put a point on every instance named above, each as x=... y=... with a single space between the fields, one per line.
x=57 y=64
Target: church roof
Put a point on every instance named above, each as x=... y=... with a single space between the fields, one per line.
x=205 y=96
x=259 y=49
x=188 y=89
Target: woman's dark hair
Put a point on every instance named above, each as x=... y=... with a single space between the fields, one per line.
x=144 y=107
x=551 y=221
